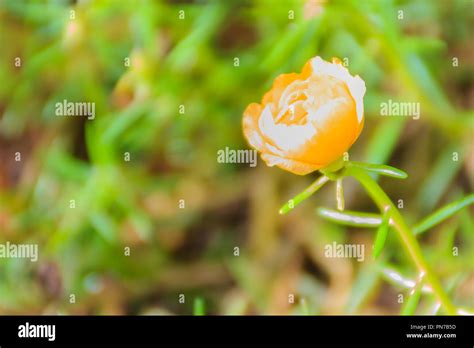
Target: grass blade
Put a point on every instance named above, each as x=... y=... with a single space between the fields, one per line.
x=410 y=305
x=442 y=214
x=440 y=177
x=384 y=140
x=381 y=235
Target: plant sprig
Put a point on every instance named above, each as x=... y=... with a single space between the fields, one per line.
x=389 y=217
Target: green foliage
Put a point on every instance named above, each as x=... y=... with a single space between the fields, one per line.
x=443 y=214
x=380 y=169
x=292 y=203
x=411 y=302
x=381 y=235
x=351 y=218
x=190 y=62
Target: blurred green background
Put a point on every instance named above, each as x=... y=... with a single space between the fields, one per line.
x=137 y=204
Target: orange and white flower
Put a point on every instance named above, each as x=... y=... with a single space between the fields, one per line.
x=307 y=120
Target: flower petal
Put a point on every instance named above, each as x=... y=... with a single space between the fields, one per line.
x=308 y=119
x=355 y=84
x=290 y=165
x=250 y=126
x=286 y=138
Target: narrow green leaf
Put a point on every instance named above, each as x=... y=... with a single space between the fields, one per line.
x=351 y=218
x=442 y=214
x=284 y=48
x=199 y=306
x=363 y=286
x=384 y=140
x=394 y=277
x=440 y=176
x=304 y=195
x=381 y=235
x=104 y=225
x=411 y=303
x=124 y=120
x=381 y=169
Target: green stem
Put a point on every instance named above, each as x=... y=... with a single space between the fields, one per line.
x=406 y=235
x=292 y=203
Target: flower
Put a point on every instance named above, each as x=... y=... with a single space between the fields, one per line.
x=307 y=120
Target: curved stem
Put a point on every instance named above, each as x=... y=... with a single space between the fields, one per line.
x=406 y=235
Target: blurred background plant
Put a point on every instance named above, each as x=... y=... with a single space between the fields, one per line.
x=178 y=102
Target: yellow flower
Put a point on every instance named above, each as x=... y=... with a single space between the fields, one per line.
x=307 y=120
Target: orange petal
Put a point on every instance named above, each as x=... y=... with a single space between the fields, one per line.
x=296 y=167
x=250 y=126
x=279 y=85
